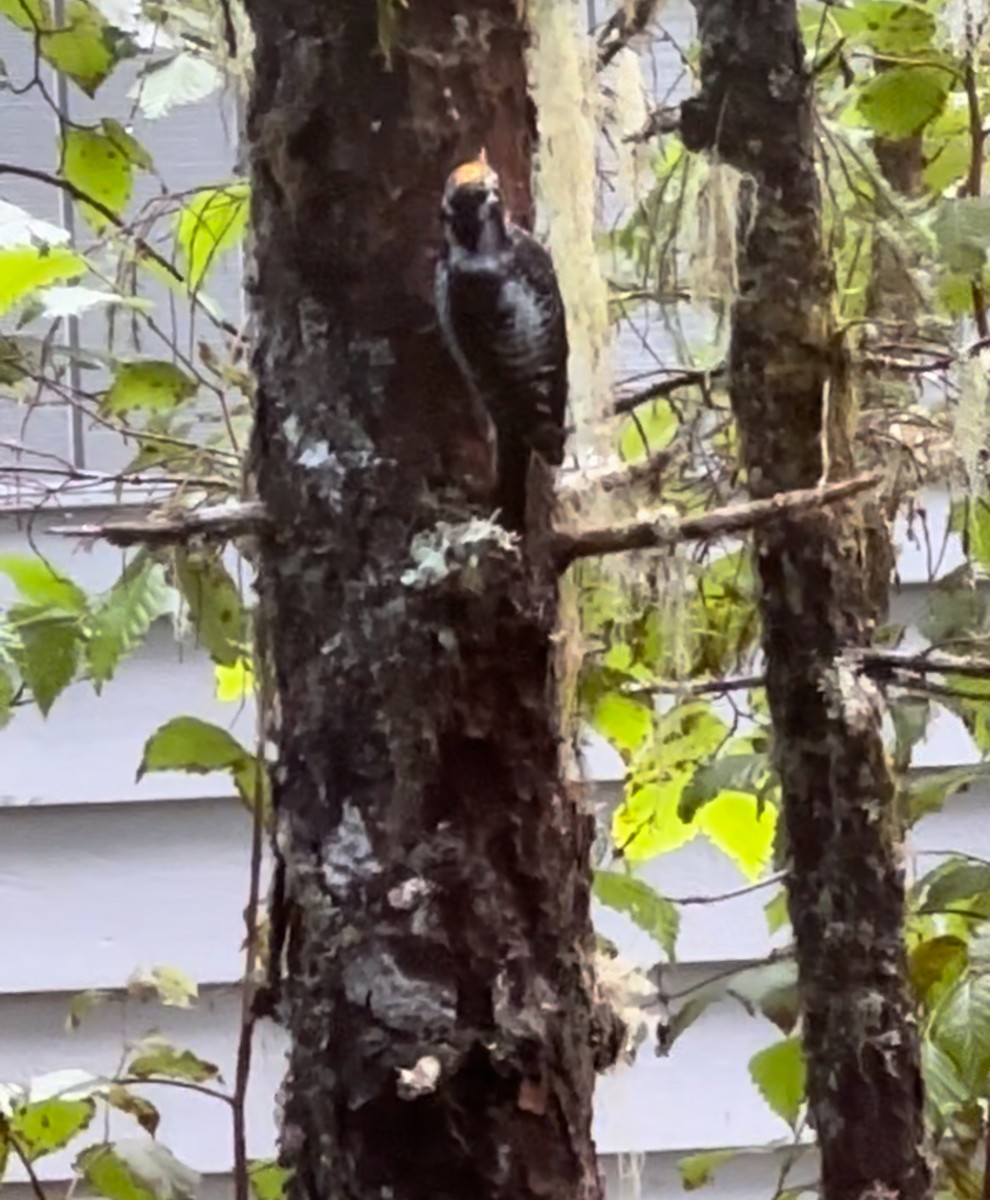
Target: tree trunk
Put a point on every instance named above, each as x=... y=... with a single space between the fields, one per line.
x=438 y=987
x=824 y=579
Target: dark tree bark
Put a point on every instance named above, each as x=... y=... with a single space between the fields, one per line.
x=824 y=579
x=438 y=989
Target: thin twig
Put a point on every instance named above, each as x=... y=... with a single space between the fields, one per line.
x=143 y=246
x=698 y=687
x=719 y=522
x=648 y=472
x=134 y=479
x=659 y=121
x=666 y=387
x=621 y=27
x=25 y=1161
x=242 y=1070
x=720 y=896
x=224 y=521
x=186 y=1084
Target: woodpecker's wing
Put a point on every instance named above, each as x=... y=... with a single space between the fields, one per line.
x=505 y=322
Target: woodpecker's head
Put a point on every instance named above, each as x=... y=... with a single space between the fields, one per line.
x=472 y=212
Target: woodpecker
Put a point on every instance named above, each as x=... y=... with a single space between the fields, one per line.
x=502 y=318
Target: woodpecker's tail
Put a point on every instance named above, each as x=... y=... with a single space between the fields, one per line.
x=513 y=474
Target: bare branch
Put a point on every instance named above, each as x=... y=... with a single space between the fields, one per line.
x=229 y=33
x=660 y=120
x=648 y=473
x=719 y=897
x=225 y=522
x=735 y=518
x=884 y=663
x=698 y=687
x=666 y=387
x=626 y=23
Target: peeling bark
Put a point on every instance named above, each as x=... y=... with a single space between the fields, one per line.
x=824 y=579
x=438 y=990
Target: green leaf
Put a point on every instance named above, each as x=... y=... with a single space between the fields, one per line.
x=779 y=1074
x=647 y=821
x=48 y=655
x=934 y=965
x=742 y=828
x=770 y=988
x=742 y=773
x=8 y=692
x=777 y=913
x=653 y=913
x=215 y=606
x=268 y=1179
x=165 y=84
x=698 y=1169
x=946 y=150
x=142 y=1110
x=19 y=228
x=944 y=1089
x=962 y=1029
x=135 y=1169
x=951 y=882
x=124 y=615
x=888 y=27
x=48 y=1125
x=962 y=228
x=127 y=144
x=724 y=617
x=684 y=1018
x=234 y=684
x=152 y=385
x=910 y=715
x=624 y=721
x=189 y=744
x=167 y=985
x=74 y=300
x=25 y=269
x=212 y=223
x=926 y=792
x=652 y=430
x=80 y=1005
x=38 y=582
x=900 y=102
x=29 y=15
x=160 y=1059
x=85 y=47
x=976 y=530
x=96 y=162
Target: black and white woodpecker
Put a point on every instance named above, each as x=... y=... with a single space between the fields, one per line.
x=502 y=318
